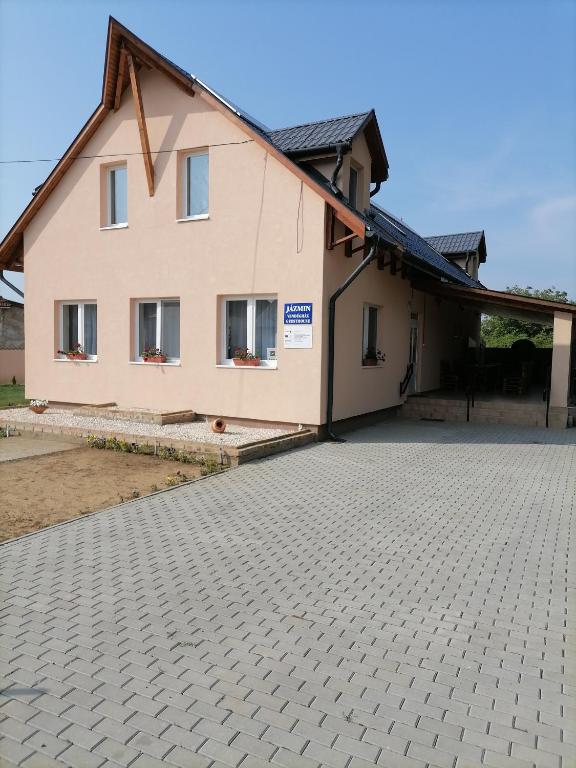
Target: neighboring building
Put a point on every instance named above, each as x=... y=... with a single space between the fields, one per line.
x=175 y=220
x=11 y=341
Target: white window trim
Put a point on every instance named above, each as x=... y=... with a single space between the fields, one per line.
x=184 y=206
x=80 y=305
x=365 y=321
x=251 y=330
x=109 y=171
x=137 y=356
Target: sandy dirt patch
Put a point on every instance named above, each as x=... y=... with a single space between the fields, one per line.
x=44 y=490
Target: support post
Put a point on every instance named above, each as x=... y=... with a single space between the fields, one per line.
x=560 y=377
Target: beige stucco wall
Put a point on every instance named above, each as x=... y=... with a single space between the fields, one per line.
x=359 y=389
x=561 y=360
x=265 y=235
x=11 y=365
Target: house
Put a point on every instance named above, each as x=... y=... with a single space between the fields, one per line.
x=11 y=341
x=176 y=224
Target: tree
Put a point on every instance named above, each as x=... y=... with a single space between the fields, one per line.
x=499 y=331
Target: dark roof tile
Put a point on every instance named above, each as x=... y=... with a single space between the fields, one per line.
x=460 y=243
x=324 y=133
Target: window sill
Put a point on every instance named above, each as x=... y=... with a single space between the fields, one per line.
x=67 y=360
x=174 y=364
x=371 y=367
x=199 y=217
x=273 y=367
x=115 y=226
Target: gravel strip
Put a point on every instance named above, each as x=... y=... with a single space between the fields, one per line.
x=196 y=431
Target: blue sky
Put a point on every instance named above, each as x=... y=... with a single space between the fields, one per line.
x=476 y=100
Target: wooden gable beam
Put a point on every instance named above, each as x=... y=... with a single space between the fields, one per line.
x=140 y=117
x=120 y=81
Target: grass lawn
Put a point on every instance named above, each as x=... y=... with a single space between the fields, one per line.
x=12 y=394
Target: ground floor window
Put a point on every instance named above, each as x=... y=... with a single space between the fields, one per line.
x=250 y=322
x=370 y=335
x=78 y=328
x=158 y=328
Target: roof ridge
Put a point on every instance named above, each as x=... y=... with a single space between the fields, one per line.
x=457 y=234
x=318 y=122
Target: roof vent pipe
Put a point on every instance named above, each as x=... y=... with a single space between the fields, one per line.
x=9 y=284
x=376 y=189
x=341 y=148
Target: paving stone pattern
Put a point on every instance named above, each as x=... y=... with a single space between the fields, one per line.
x=400 y=600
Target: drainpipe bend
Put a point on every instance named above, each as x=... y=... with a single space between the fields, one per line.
x=341 y=148
x=9 y=284
x=372 y=253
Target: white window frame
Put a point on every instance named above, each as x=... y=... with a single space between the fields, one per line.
x=365 y=329
x=137 y=356
x=109 y=171
x=251 y=327
x=80 y=305
x=185 y=179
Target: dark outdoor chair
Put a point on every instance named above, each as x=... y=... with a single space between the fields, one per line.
x=449 y=379
x=518 y=384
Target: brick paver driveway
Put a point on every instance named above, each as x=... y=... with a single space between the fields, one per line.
x=398 y=600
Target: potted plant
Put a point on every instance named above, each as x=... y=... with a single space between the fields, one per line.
x=373 y=356
x=153 y=355
x=38 y=406
x=76 y=353
x=243 y=356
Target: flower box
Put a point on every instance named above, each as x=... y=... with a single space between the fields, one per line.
x=76 y=356
x=370 y=361
x=253 y=362
x=155 y=359
x=38 y=408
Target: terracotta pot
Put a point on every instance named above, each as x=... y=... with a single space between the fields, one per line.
x=254 y=363
x=38 y=408
x=155 y=359
x=369 y=361
x=218 y=425
x=77 y=356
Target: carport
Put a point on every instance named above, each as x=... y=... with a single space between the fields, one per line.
x=559 y=390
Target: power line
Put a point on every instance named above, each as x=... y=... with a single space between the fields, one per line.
x=120 y=154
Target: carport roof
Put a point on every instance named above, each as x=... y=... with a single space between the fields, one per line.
x=500 y=302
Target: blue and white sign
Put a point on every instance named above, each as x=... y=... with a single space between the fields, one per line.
x=298 y=313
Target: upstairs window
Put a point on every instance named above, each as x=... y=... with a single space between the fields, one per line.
x=353 y=187
x=117 y=196
x=250 y=323
x=158 y=328
x=196 y=186
x=78 y=328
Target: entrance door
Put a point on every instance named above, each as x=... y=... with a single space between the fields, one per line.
x=413 y=356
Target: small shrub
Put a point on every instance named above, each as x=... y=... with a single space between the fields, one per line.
x=13 y=381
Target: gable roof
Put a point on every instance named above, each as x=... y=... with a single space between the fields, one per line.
x=115 y=81
x=420 y=248
x=463 y=242
x=325 y=135
x=416 y=250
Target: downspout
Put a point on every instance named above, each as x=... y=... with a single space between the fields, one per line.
x=339 y=160
x=331 y=328
x=376 y=189
x=9 y=284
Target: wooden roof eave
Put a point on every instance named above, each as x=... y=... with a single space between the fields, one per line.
x=120 y=38
x=118 y=34
x=12 y=244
